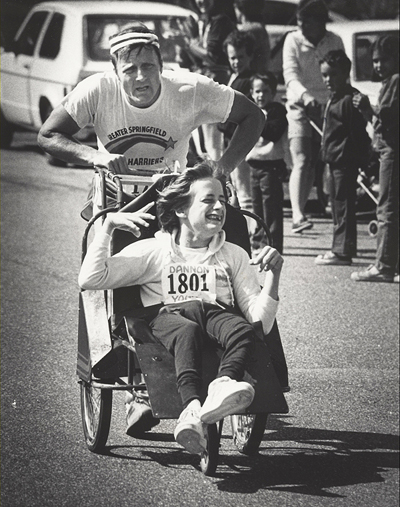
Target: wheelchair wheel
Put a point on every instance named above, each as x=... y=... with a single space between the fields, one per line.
x=248 y=431
x=209 y=458
x=373 y=228
x=96 y=406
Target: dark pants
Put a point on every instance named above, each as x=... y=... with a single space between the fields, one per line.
x=387 y=254
x=343 y=202
x=185 y=328
x=267 y=197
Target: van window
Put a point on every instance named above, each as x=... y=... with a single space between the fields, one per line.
x=99 y=28
x=26 y=42
x=52 y=39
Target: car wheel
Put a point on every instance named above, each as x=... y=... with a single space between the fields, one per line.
x=6 y=132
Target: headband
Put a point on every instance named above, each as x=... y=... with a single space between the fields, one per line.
x=127 y=39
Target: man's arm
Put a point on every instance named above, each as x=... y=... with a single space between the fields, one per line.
x=56 y=138
x=250 y=122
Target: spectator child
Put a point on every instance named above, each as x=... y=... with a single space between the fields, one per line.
x=239 y=47
x=345 y=147
x=385 y=120
x=266 y=160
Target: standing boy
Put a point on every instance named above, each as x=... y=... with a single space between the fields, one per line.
x=345 y=147
x=266 y=159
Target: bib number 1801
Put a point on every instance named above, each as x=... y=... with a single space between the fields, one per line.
x=192 y=282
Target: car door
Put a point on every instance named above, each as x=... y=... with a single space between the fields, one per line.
x=15 y=93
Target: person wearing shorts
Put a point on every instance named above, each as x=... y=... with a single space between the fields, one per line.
x=306 y=93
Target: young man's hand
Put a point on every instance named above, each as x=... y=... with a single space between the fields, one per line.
x=269 y=259
x=131 y=222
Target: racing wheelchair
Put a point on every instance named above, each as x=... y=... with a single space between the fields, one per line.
x=116 y=350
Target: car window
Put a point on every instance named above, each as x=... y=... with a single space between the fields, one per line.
x=52 y=39
x=26 y=42
x=362 y=54
x=99 y=29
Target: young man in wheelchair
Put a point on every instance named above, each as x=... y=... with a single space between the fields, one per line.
x=199 y=277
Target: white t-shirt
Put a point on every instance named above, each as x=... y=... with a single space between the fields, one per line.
x=154 y=138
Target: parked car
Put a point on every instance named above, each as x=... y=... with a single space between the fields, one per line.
x=60 y=43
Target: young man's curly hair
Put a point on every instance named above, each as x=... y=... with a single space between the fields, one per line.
x=176 y=196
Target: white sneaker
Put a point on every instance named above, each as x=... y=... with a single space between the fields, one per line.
x=225 y=397
x=189 y=432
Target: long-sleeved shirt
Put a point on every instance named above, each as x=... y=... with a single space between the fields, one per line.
x=386 y=125
x=301 y=68
x=143 y=262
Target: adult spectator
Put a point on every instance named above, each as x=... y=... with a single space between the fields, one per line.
x=306 y=93
x=215 y=24
x=248 y=15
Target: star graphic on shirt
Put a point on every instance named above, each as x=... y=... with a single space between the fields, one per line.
x=170 y=144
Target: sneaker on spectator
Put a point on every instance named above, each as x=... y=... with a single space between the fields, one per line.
x=332 y=259
x=189 y=432
x=396 y=279
x=372 y=274
x=301 y=226
x=139 y=416
x=225 y=397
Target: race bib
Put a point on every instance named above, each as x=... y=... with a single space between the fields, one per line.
x=181 y=282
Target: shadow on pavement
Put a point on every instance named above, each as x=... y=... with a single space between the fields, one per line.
x=306 y=461
x=311 y=461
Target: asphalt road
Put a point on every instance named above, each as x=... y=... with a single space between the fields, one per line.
x=338 y=446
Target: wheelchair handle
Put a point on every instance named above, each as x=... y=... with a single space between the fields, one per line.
x=105 y=173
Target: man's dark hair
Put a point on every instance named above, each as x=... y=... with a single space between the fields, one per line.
x=315 y=9
x=337 y=59
x=135 y=27
x=239 y=39
x=176 y=196
x=269 y=79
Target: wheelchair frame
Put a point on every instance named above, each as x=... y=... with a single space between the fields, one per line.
x=115 y=347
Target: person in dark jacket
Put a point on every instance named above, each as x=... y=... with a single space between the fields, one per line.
x=345 y=147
